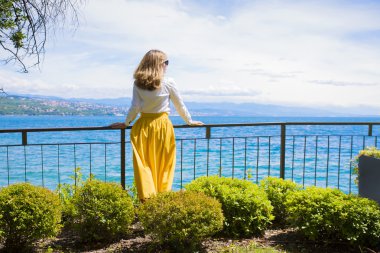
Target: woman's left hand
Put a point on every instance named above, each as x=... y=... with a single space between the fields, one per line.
x=119 y=125
x=196 y=123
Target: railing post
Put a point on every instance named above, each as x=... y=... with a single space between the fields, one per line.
x=122 y=157
x=369 y=129
x=282 y=148
x=208 y=132
x=24 y=138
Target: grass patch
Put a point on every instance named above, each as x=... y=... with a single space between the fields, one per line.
x=251 y=247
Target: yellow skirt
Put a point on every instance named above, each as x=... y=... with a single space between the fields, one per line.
x=154 y=151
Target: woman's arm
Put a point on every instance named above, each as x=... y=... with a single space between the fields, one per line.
x=134 y=109
x=180 y=105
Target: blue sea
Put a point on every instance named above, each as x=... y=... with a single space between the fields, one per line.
x=319 y=155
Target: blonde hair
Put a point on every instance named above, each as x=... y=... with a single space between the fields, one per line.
x=150 y=72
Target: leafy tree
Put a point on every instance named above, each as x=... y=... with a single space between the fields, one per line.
x=25 y=24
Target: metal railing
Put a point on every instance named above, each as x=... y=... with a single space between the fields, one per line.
x=315 y=157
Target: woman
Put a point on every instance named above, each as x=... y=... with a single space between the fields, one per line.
x=152 y=135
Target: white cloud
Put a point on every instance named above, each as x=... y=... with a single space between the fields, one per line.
x=284 y=52
x=343 y=83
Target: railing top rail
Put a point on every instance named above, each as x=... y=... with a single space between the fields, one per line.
x=54 y=129
x=187 y=126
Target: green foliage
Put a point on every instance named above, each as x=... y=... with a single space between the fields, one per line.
x=330 y=214
x=28 y=213
x=101 y=211
x=368 y=151
x=181 y=219
x=17 y=39
x=277 y=190
x=25 y=25
x=132 y=191
x=12 y=18
x=360 y=221
x=249 y=173
x=66 y=192
x=245 y=206
x=313 y=211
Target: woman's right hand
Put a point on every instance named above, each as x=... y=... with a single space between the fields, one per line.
x=196 y=123
x=119 y=125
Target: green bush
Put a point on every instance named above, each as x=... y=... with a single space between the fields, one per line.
x=28 y=213
x=245 y=206
x=101 y=211
x=66 y=193
x=277 y=190
x=360 y=221
x=181 y=219
x=330 y=214
x=314 y=210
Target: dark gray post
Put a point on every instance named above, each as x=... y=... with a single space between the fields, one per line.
x=369 y=129
x=282 y=155
x=208 y=132
x=369 y=176
x=24 y=138
x=122 y=157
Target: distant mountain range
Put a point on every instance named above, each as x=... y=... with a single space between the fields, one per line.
x=26 y=104
x=37 y=105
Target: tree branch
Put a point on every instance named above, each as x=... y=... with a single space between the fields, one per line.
x=3 y=92
x=30 y=23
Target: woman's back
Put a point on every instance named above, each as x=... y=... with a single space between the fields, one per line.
x=157 y=100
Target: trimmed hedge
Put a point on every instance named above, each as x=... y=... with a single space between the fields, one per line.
x=181 y=219
x=247 y=210
x=101 y=211
x=28 y=213
x=277 y=190
x=360 y=221
x=330 y=214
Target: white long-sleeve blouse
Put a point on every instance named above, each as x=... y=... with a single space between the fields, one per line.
x=157 y=101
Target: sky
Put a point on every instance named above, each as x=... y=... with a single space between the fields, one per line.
x=286 y=52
